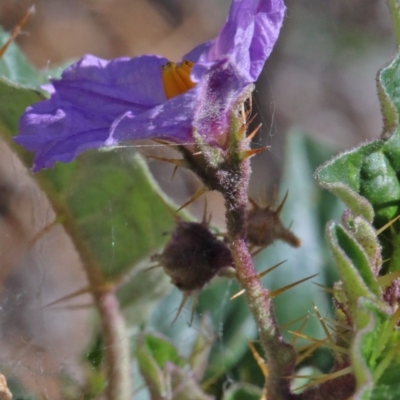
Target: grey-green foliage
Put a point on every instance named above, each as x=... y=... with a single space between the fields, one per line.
x=367 y=180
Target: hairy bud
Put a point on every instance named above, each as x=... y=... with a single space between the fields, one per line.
x=194 y=256
x=264 y=226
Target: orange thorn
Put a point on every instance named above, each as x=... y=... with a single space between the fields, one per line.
x=253 y=152
x=198 y=193
x=384 y=227
x=274 y=293
x=253 y=203
x=252 y=134
x=175 y=161
x=260 y=361
x=77 y=293
x=259 y=276
x=174 y=172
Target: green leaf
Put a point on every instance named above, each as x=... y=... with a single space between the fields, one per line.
x=380 y=185
x=18 y=81
x=366 y=237
x=342 y=176
x=15 y=67
x=375 y=353
x=120 y=210
x=162 y=350
x=353 y=266
x=13 y=101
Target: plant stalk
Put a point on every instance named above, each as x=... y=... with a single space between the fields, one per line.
x=280 y=355
x=113 y=329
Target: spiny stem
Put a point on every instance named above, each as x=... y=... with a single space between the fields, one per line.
x=280 y=355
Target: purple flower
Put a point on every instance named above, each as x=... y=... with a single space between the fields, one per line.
x=100 y=103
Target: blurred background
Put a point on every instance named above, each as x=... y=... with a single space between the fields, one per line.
x=319 y=80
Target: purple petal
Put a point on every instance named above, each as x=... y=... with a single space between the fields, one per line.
x=219 y=90
x=171 y=121
x=135 y=81
x=85 y=102
x=248 y=36
x=206 y=108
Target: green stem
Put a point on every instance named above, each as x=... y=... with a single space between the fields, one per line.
x=280 y=356
x=115 y=336
x=117 y=349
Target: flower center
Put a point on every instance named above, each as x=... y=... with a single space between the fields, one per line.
x=176 y=78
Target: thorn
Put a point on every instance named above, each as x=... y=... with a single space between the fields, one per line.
x=323 y=342
x=253 y=152
x=255 y=131
x=285 y=326
x=259 y=276
x=185 y=296
x=194 y=304
x=280 y=207
x=178 y=162
x=77 y=293
x=303 y=324
x=253 y=203
x=237 y=294
x=74 y=307
x=274 y=293
x=324 y=327
x=204 y=219
x=43 y=231
x=198 y=193
x=260 y=361
x=259 y=250
x=249 y=121
x=387 y=279
x=16 y=31
x=308 y=350
x=152 y=267
x=318 y=379
x=263 y=273
x=165 y=142
x=174 y=172
x=384 y=227
x=326 y=289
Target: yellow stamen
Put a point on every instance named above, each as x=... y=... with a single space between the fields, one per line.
x=176 y=78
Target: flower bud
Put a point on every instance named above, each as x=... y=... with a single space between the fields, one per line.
x=264 y=226
x=194 y=256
